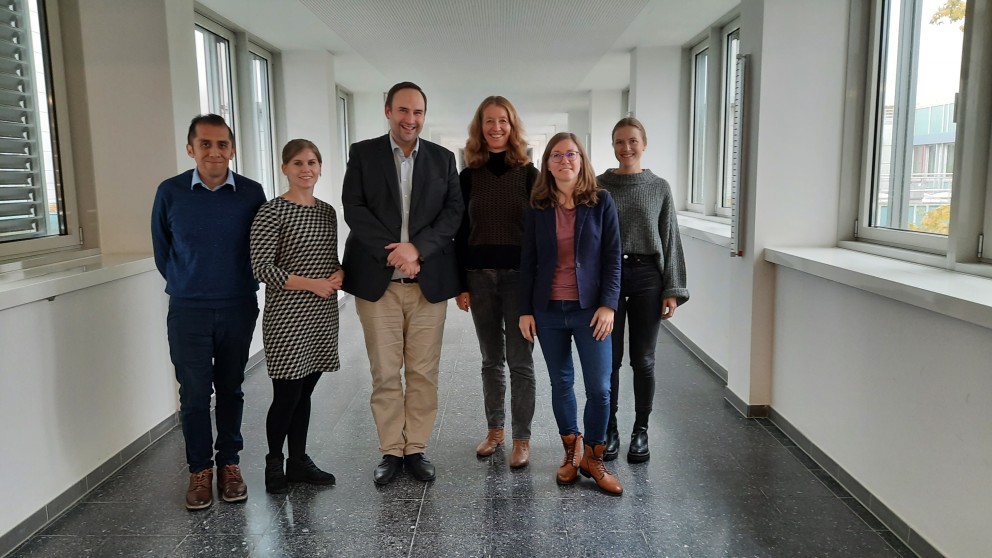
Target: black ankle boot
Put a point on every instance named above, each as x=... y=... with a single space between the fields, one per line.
x=275 y=478
x=612 y=444
x=639 y=452
x=302 y=469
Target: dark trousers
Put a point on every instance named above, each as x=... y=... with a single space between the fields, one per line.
x=640 y=308
x=289 y=415
x=209 y=349
x=496 y=313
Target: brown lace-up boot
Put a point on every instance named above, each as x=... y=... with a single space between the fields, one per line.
x=592 y=466
x=569 y=470
x=494 y=438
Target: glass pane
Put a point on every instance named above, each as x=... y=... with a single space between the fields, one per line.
x=343 y=127
x=261 y=114
x=30 y=195
x=213 y=69
x=921 y=71
x=733 y=49
x=699 y=124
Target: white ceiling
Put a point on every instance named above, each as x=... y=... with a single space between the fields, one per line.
x=544 y=55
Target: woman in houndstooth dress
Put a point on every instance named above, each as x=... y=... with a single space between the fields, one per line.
x=294 y=252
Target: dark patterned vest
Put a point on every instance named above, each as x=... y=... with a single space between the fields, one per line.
x=496 y=207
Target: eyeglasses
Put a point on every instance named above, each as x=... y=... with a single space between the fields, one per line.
x=570 y=155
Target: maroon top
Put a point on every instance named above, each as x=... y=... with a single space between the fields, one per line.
x=564 y=285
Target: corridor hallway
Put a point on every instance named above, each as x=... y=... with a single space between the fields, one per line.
x=717 y=484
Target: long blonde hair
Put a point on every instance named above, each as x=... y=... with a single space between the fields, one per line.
x=545 y=192
x=476 y=150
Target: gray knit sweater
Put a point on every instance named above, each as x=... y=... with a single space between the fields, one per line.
x=648 y=225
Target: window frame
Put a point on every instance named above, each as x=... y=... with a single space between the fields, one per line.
x=58 y=108
x=691 y=184
x=257 y=50
x=725 y=164
x=346 y=121
x=211 y=26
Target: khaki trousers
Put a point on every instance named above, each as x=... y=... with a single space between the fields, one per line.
x=403 y=331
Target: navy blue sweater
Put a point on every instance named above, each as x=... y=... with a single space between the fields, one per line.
x=200 y=240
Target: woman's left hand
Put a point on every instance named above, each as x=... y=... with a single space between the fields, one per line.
x=602 y=322
x=668 y=306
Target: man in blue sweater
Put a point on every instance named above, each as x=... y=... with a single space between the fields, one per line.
x=200 y=226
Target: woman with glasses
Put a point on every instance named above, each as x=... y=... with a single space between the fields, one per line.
x=294 y=251
x=570 y=285
x=496 y=185
x=652 y=283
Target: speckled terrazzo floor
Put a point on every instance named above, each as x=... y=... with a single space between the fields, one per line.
x=717 y=484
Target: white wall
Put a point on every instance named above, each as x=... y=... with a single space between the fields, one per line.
x=655 y=101
x=898 y=396
x=604 y=112
x=309 y=102
x=83 y=376
x=706 y=318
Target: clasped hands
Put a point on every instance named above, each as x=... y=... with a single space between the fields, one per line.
x=405 y=257
x=327 y=286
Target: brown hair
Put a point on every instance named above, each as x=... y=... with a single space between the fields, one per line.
x=545 y=192
x=476 y=150
x=632 y=122
x=294 y=147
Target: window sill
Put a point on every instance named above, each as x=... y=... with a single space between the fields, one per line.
x=714 y=230
x=957 y=295
x=24 y=286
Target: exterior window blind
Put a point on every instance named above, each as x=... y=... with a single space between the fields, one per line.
x=27 y=200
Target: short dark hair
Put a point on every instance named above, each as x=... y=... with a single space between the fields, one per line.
x=404 y=85
x=210 y=120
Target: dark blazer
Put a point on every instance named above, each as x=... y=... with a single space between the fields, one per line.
x=372 y=207
x=597 y=255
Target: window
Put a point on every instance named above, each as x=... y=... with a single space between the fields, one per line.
x=911 y=136
x=731 y=48
x=218 y=55
x=698 y=118
x=263 y=168
x=344 y=123
x=37 y=203
x=214 y=69
x=712 y=69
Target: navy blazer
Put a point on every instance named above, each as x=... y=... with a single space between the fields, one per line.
x=597 y=255
x=370 y=197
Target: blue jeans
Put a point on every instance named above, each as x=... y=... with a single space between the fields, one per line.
x=496 y=313
x=209 y=349
x=561 y=322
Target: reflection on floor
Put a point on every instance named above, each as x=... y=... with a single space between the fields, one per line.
x=717 y=484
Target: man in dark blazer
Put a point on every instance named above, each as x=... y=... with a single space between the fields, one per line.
x=402 y=201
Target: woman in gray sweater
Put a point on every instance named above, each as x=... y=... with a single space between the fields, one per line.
x=652 y=281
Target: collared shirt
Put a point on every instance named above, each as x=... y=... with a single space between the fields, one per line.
x=404 y=175
x=196 y=180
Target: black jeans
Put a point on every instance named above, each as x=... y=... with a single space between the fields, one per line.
x=289 y=414
x=640 y=307
x=496 y=313
x=209 y=348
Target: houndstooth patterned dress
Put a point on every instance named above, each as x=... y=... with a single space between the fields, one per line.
x=299 y=329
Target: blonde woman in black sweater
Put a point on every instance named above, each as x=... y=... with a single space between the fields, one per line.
x=496 y=185
x=652 y=280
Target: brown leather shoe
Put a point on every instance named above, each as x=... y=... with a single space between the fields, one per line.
x=200 y=494
x=493 y=440
x=569 y=470
x=592 y=466
x=230 y=484
x=520 y=456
